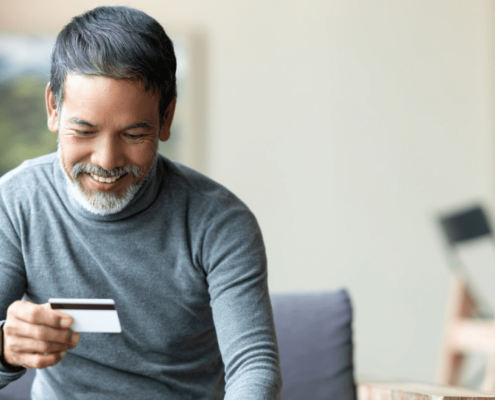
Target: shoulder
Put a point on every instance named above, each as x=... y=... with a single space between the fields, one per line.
x=223 y=229
x=27 y=176
x=210 y=207
x=203 y=189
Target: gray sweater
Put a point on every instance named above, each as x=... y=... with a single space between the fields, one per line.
x=186 y=266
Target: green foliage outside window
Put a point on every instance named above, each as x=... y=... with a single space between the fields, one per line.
x=23 y=130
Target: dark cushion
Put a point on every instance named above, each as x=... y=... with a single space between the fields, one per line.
x=314 y=335
x=19 y=389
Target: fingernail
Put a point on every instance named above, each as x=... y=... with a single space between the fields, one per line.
x=65 y=323
x=75 y=338
x=63 y=354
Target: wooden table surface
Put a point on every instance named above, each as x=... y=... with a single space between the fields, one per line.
x=417 y=391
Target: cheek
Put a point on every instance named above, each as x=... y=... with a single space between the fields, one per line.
x=143 y=156
x=72 y=153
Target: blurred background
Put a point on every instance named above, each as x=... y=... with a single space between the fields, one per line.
x=345 y=125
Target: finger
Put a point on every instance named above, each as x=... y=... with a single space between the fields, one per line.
x=43 y=333
x=19 y=345
x=39 y=314
x=64 y=320
x=40 y=360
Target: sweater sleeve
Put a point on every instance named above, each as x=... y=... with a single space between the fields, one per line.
x=236 y=267
x=12 y=280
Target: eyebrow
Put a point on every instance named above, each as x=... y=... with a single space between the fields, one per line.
x=81 y=122
x=144 y=124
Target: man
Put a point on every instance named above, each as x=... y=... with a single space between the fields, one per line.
x=106 y=217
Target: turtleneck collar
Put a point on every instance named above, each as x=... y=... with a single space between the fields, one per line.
x=145 y=196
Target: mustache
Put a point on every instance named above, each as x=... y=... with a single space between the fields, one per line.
x=97 y=170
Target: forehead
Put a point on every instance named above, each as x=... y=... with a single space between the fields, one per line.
x=100 y=97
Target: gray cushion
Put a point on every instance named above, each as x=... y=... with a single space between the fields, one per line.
x=19 y=389
x=314 y=334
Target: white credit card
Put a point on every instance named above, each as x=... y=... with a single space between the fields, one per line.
x=90 y=315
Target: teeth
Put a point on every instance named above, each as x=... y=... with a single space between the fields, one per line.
x=105 y=180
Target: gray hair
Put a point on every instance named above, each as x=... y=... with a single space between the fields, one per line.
x=116 y=42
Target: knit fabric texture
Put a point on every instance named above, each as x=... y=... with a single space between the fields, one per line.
x=185 y=264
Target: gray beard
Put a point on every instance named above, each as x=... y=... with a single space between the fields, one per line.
x=102 y=203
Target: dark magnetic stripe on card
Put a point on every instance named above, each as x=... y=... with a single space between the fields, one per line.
x=69 y=306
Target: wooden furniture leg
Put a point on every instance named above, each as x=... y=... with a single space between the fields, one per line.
x=489 y=380
x=461 y=307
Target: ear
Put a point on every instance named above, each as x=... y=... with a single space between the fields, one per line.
x=167 y=121
x=51 y=109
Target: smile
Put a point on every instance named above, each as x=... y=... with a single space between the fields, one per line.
x=106 y=180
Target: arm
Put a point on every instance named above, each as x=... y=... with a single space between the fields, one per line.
x=12 y=285
x=235 y=263
x=33 y=336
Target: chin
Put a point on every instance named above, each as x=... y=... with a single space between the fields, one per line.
x=102 y=203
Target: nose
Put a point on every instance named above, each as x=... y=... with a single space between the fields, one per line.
x=108 y=152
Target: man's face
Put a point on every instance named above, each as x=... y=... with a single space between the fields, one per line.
x=108 y=137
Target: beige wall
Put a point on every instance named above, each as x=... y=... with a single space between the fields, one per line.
x=344 y=125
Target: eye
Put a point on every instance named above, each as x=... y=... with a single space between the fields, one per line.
x=84 y=133
x=135 y=137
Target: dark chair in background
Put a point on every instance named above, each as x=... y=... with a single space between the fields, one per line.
x=469 y=324
x=314 y=333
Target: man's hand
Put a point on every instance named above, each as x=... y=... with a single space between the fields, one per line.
x=35 y=336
